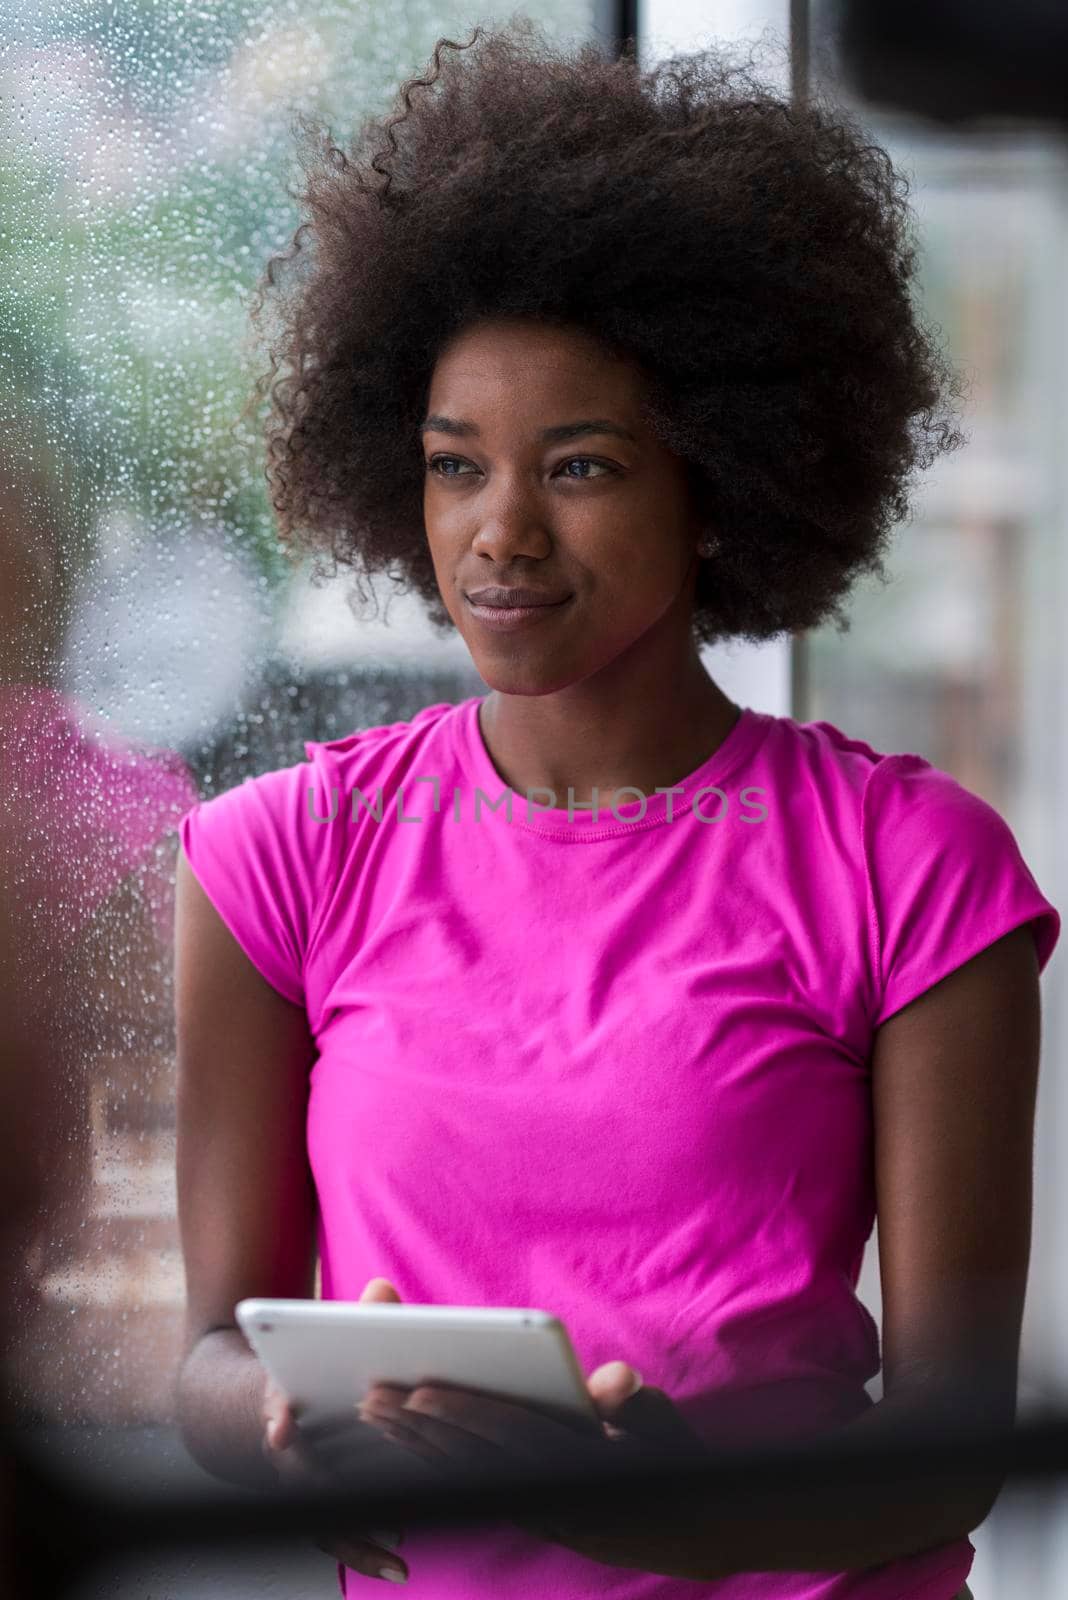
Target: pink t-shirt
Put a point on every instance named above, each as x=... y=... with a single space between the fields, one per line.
x=616 y=1067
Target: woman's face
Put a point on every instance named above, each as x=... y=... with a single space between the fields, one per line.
x=604 y=518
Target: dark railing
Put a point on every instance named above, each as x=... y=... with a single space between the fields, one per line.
x=68 y=1519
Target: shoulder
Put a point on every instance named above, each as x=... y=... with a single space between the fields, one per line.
x=818 y=763
x=936 y=872
x=885 y=787
x=379 y=753
x=914 y=810
x=291 y=802
x=262 y=806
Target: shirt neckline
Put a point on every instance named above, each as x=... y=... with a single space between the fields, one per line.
x=582 y=825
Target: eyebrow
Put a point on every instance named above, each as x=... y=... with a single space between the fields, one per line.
x=459 y=427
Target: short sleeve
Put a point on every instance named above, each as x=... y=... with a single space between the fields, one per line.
x=261 y=852
x=946 y=879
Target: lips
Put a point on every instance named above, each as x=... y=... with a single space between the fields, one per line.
x=507 y=618
x=514 y=599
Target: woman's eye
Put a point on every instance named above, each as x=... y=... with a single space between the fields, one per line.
x=435 y=463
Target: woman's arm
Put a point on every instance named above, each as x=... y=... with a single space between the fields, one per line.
x=246 y=1201
x=954 y=1086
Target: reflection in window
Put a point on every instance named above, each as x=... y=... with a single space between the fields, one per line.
x=155 y=645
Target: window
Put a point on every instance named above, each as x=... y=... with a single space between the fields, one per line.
x=156 y=646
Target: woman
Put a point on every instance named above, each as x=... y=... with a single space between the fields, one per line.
x=601 y=993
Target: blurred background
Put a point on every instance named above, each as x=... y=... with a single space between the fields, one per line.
x=155 y=646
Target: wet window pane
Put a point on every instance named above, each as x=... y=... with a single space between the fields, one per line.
x=155 y=645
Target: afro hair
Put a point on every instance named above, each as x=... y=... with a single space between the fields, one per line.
x=752 y=254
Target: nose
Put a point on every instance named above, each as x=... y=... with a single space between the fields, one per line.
x=505 y=539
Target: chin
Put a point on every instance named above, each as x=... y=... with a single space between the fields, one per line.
x=521 y=677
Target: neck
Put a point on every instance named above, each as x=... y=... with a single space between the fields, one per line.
x=592 y=735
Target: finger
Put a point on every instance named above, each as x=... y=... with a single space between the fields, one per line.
x=434 y=1450
x=363 y=1555
x=384 y=1394
x=274 y=1434
x=300 y=1469
x=353 y=1460
x=443 y=1417
x=653 y=1422
x=329 y=1430
x=434 y=1441
x=380 y=1289
x=280 y=1434
x=278 y=1419
x=448 y=1448
x=380 y=1464
x=392 y=1538
x=323 y=1453
x=385 y=1538
x=343 y=1464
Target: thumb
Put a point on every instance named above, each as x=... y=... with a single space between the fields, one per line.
x=641 y=1413
x=381 y=1289
x=612 y=1384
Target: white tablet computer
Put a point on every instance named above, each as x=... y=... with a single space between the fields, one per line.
x=326 y=1354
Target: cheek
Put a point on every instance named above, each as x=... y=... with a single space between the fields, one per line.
x=447 y=557
x=640 y=582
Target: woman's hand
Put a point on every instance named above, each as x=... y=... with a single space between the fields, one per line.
x=441 y=1425
x=328 y=1457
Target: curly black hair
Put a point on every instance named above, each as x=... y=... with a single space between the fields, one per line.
x=752 y=254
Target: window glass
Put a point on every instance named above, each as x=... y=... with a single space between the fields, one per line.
x=961 y=658
x=155 y=644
